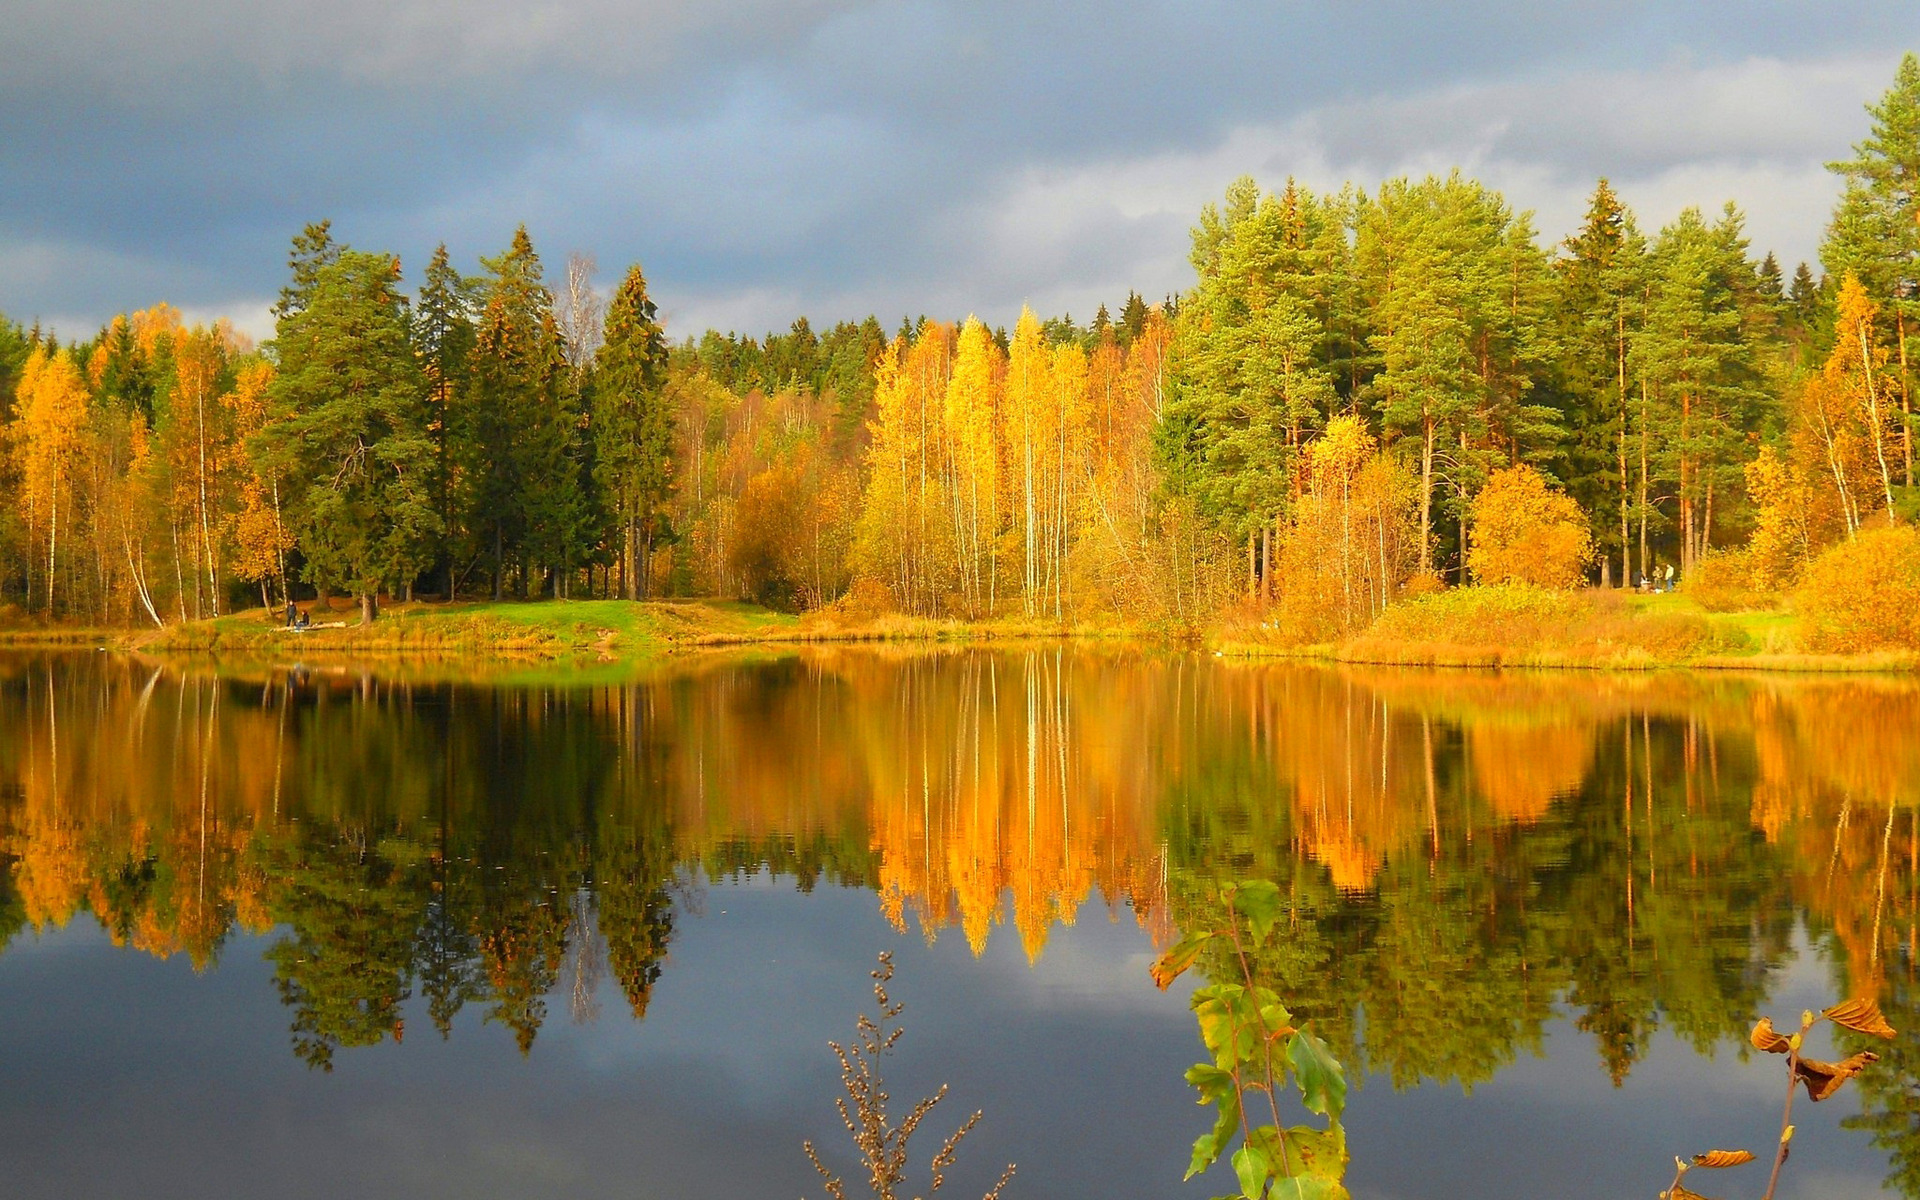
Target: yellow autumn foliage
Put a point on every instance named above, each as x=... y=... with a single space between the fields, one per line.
x=1863 y=594
x=1525 y=532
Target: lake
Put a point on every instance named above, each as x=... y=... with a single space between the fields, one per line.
x=329 y=933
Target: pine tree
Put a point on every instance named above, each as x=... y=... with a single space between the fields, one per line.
x=313 y=251
x=1699 y=367
x=350 y=430
x=1458 y=296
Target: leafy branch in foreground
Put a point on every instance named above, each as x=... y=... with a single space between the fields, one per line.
x=1821 y=1079
x=1254 y=1045
x=882 y=1144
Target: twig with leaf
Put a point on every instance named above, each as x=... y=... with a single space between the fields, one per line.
x=1821 y=1079
x=1255 y=1044
x=863 y=1110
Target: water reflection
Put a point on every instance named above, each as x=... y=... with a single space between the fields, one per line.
x=1461 y=852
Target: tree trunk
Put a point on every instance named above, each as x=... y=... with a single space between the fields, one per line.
x=1877 y=422
x=1687 y=473
x=1620 y=367
x=1906 y=390
x=53 y=535
x=629 y=568
x=1706 y=525
x=643 y=570
x=1426 y=495
x=1266 y=562
x=1643 y=479
x=369 y=607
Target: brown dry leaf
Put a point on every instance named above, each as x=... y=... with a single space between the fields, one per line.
x=1824 y=1079
x=1861 y=1016
x=1681 y=1193
x=1763 y=1037
x=1723 y=1158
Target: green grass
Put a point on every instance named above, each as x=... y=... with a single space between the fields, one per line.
x=569 y=635
x=538 y=630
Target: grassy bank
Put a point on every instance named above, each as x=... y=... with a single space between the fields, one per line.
x=1466 y=627
x=1593 y=630
x=545 y=631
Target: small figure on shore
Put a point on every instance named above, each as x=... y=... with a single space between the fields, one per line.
x=304 y=621
x=1670 y=574
x=292 y=613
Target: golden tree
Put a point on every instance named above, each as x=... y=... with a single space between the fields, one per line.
x=260 y=538
x=49 y=433
x=1352 y=542
x=1526 y=532
x=972 y=411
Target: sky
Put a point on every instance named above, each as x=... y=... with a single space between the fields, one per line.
x=763 y=160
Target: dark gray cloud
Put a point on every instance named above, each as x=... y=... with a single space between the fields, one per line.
x=764 y=158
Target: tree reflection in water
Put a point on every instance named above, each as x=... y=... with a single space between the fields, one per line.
x=1458 y=853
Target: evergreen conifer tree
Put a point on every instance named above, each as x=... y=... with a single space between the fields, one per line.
x=632 y=427
x=350 y=429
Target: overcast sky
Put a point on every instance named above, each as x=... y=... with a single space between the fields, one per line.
x=763 y=160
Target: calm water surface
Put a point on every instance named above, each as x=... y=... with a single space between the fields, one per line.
x=319 y=934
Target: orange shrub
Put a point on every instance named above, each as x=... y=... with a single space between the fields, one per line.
x=1863 y=594
x=1729 y=581
x=1525 y=532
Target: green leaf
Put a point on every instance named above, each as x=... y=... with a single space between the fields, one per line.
x=1207 y=1147
x=1252 y=1168
x=1169 y=966
x=1308 y=1187
x=1229 y=1023
x=1258 y=900
x=1211 y=1080
x=1308 y=1152
x=1275 y=1018
x=1323 y=1083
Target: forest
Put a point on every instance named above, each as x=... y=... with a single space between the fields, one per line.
x=1366 y=395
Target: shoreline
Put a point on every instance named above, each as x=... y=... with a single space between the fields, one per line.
x=612 y=633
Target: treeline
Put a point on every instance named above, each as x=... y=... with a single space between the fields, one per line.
x=1312 y=425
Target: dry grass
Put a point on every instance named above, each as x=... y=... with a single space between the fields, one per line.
x=1512 y=625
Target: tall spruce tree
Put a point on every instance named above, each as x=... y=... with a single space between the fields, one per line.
x=632 y=427
x=520 y=437
x=1596 y=301
x=443 y=336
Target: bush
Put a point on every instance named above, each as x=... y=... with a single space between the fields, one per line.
x=1525 y=532
x=1727 y=581
x=1520 y=623
x=1515 y=614
x=1864 y=594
